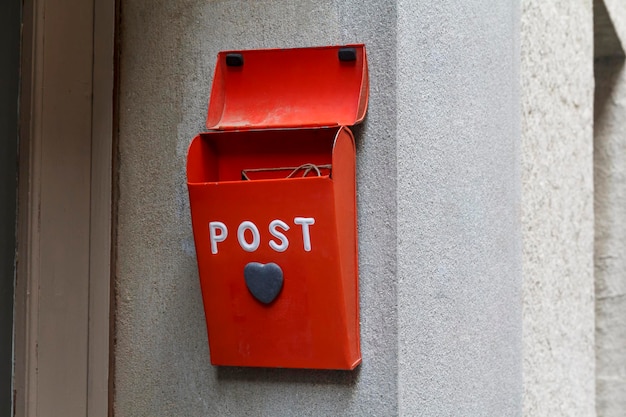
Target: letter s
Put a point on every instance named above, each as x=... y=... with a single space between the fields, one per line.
x=284 y=242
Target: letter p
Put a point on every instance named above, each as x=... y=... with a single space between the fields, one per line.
x=216 y=237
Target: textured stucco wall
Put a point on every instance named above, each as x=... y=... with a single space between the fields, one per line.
x=438 y=200
x=610 y=200
x=168 y=52
x=459 y=250
x=557 y=207
x=610 y=238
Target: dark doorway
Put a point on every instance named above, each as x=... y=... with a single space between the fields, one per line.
x=10 y=18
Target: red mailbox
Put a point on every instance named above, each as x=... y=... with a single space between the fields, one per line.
x=272 y=190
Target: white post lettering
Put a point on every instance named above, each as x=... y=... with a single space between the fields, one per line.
x=278 y=235
x=214 y=237
x=305 y=222
x=256 y=237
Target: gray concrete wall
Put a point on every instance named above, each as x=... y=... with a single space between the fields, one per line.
x=557 y=207
x=610 y=198
x=459 y=239
x=610 y=238
x=438 y=200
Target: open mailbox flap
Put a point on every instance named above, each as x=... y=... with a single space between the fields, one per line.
x=289 y=88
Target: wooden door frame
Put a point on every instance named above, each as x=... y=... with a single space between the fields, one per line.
x=63 y=285
x=10 y=29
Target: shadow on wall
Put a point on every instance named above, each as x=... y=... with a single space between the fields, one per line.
x=298 y=376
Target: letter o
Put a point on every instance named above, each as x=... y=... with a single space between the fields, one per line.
x=256 y=237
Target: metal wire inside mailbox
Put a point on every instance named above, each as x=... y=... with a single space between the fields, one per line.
x=305 y=169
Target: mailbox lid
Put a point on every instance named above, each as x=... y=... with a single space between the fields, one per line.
x=287 y=88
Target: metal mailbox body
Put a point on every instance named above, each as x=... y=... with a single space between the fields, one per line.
x=269 y=110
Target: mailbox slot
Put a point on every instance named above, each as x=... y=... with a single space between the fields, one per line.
x=222 y=157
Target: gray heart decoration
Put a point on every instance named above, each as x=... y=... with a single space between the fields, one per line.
x=264 y=281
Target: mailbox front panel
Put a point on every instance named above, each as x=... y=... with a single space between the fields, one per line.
x=277 y=256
